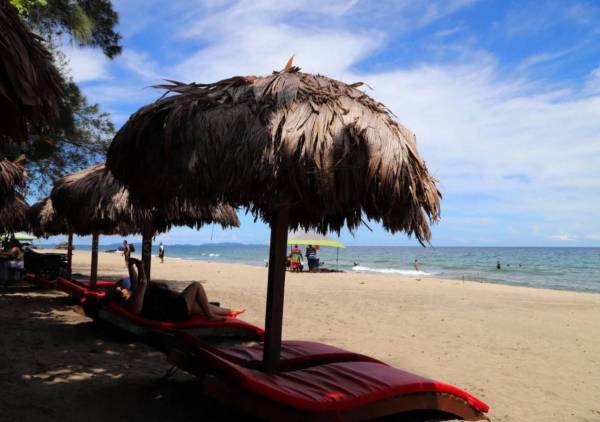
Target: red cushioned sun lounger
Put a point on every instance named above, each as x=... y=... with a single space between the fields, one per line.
x=346 y=391
x=79 y=288
x=230 y=328
x=295 y=354
x=39 y=280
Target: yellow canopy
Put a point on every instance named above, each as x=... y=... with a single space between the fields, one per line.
x=313 y=238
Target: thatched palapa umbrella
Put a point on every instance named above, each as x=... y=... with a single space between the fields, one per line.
x=12 y=175
x=298 y=150
x=30 y=85
x=93 y=202
x=13 y=215
x=44 y=221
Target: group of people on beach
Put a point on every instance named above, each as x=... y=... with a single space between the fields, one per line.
x=295 y=258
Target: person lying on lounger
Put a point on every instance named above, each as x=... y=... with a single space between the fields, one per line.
x=161 y=304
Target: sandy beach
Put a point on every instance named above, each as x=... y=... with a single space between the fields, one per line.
x=531 y=354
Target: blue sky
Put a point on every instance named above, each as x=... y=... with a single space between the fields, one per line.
x=504 y=96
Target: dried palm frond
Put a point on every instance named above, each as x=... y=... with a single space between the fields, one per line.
x=12 y=175
x=91 y=201
x=320 y=146
x=30 y=86
x=44 y=220
x=13 y=214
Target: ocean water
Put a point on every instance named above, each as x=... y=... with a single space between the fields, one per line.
x=576 y=269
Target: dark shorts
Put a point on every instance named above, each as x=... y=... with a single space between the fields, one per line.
x=170 y=308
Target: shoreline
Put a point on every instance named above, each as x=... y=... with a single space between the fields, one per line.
x=357 y=273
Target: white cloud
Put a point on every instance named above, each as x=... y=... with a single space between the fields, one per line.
x=86 y=64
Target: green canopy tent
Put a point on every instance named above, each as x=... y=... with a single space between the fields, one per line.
x=24 y=237
x=311 y=237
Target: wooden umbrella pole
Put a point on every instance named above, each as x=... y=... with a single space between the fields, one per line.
x=275 y=290
x=147 y=235
x=70 y=253
x=94 y=274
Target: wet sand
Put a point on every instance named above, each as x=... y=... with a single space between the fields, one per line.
x=531 y=354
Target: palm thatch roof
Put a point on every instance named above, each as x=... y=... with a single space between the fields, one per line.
x=324 y=148
x=30 y=85
x=13 y=214
x=91 y=201
x=44 y=220
x=12 y=175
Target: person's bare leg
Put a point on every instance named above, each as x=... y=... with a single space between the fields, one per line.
x=136 y=302
x=133 y=276
x=197 y=302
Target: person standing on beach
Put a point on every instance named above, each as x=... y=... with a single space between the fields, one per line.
x=416 y=264
x=311 y=257
x=161 y=252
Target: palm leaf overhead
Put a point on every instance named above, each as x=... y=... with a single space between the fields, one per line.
x=322 y=147
x=91 y=201
x=30 y=86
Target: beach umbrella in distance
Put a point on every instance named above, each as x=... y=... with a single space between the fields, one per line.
x=13 y=214
x=92 y=202
x=296 y=149
x=12 y=175
x=30 y=85
x=311 y=237
x=44 y=221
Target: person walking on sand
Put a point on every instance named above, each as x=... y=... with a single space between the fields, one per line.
x=161 y=252
x=416 y=264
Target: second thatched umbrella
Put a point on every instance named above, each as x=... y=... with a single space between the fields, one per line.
x=44 y=221
x=93 y=202
x=298 y=150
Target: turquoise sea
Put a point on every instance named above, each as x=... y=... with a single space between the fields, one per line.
x=575 y=269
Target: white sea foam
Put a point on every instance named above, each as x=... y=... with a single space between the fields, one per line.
x=214 y=254
x=362 y=269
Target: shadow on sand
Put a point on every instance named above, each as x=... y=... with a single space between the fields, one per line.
x=58 y=365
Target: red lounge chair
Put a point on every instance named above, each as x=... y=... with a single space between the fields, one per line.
x=294 y=354
x=230 y=328
x=79 y=288
x=39 y=280
x=346 y=391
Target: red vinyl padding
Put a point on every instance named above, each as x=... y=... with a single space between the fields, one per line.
x=196 y=322
x=79 y=290
x=294 y=354
x=333 y=386
x=99 y=283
